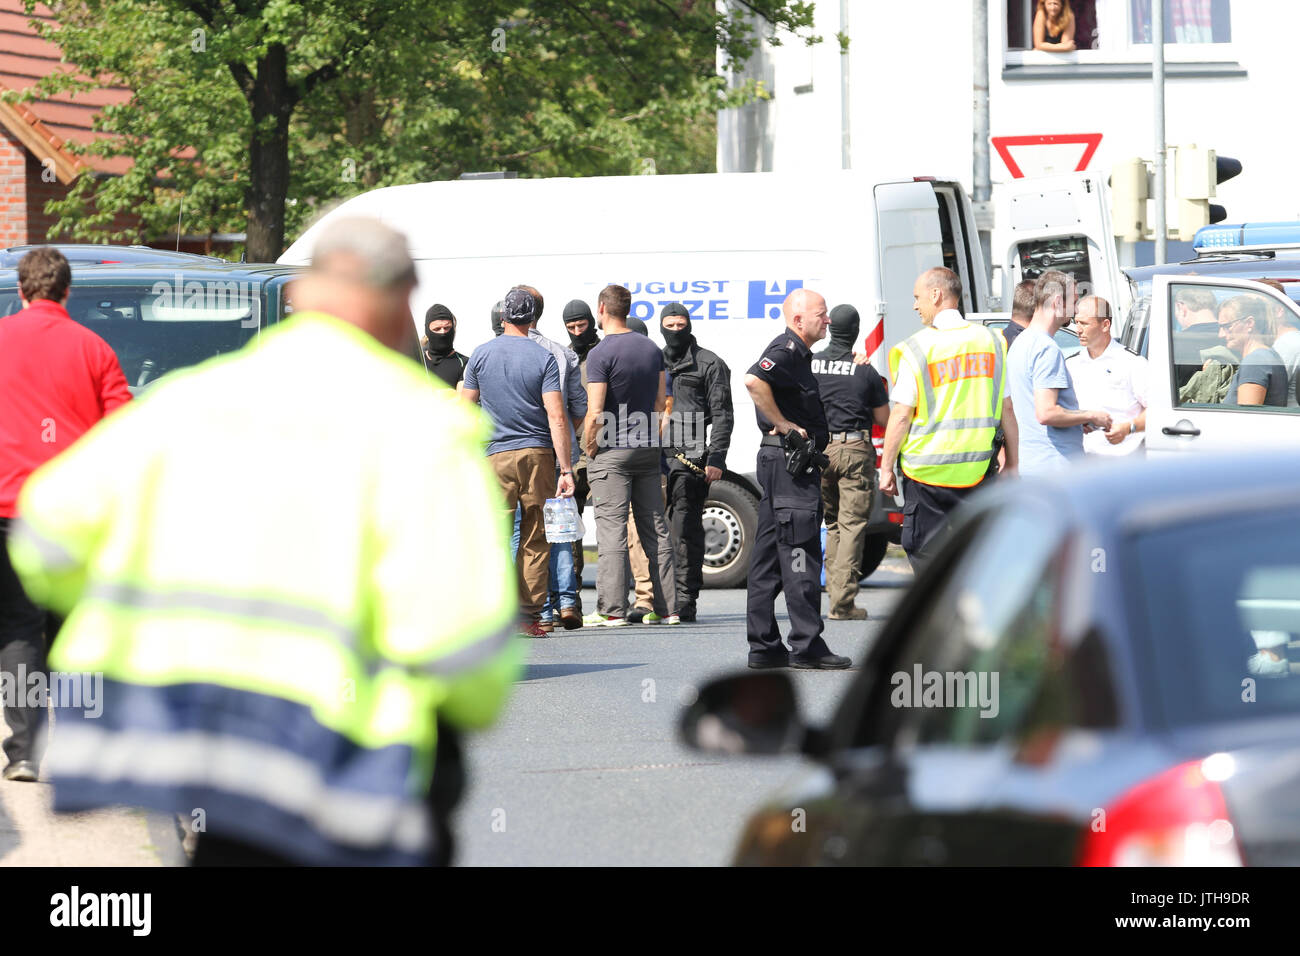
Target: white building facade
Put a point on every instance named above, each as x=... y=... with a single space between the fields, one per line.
x=909 y=94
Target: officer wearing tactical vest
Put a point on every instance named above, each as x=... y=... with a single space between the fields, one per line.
x=787 y=544
x=279 y=658
x=855 y=398
x=949 y=397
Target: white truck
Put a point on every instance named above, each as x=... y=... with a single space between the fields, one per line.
x=730 y=247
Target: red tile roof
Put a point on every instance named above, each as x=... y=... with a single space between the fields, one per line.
x=45 y=125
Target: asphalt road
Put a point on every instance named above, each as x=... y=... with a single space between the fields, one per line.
x=584 y=767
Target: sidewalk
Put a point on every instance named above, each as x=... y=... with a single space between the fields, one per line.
x=32 y=835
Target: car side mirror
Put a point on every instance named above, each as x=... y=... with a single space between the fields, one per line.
x=745 y=714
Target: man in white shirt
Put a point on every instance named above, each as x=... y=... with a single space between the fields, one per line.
x=1109 y=377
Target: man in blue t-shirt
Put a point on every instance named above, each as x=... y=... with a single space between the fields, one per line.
x=626 y=396
x=517 y=382
x=1051 y=424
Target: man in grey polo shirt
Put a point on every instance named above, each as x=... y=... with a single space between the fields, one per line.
x=626 y=396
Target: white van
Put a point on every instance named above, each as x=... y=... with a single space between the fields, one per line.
x=730 y=247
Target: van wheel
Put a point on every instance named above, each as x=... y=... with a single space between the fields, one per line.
x=730 y=524
x=873 y=552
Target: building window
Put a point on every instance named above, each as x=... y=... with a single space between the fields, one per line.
x=1186 y=21
x=1119 y=31
x=1020 y=24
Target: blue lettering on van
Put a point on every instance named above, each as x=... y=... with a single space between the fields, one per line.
x=767 y=301
x=718 y=309
x=638 y=312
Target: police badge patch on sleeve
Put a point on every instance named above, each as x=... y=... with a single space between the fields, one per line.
x=766 y=364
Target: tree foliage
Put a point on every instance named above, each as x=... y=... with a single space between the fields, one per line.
x=254 y=115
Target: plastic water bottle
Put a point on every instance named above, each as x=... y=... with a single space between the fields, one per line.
x=561 y=518
x=551 y=516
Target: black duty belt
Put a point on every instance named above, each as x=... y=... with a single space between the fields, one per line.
x=849 y=436
x=772 y=441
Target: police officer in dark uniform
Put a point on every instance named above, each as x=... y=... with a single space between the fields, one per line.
x=700 y=390
x=787 y=547
x=855 y=398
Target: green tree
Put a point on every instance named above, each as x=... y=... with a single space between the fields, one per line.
x=262 y=112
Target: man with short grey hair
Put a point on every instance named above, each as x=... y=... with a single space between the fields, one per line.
x=298 y=661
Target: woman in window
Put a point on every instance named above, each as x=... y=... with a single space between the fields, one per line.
x=1054 y=26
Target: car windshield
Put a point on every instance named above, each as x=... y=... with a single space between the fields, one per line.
x=159 y=326
x=1222 y=612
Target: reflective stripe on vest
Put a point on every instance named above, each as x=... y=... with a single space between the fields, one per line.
x=246 y=768
x=950 y=440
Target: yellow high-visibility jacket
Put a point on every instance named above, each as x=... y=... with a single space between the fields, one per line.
x=961 y=382
x=282 y=562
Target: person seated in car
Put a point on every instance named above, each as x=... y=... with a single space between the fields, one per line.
x=1195 y=329
x=1287 y=343
x=1247 y=329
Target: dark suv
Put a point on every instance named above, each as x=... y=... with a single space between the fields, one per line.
x=158 y=319
x=92 y=254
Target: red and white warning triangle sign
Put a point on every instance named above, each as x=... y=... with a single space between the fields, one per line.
x=1046 y=155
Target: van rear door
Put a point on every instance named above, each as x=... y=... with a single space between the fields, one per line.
x=1063 y=223
x=909 y=241
x=1204 y=417
x=961 y=245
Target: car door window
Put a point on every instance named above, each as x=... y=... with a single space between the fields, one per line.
x=982 y=660
x=1233 y=349
x=157 y=327
x=1222 y=620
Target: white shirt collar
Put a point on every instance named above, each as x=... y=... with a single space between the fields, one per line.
x=949 y=319
x=1112 y=347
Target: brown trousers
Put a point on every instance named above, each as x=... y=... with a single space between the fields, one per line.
x=527 y=478
x=847 y=486
x=640 y=564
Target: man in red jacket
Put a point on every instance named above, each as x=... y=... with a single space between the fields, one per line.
x=57 y=379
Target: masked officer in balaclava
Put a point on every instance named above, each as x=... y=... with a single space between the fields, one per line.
x=581 y=325
x=699 y=387
x=854 y=397
x=497 y=328
x=439 y=355
x=582 y=329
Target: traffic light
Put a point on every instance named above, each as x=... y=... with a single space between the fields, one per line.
x=1197 y=173
x=1128 y=199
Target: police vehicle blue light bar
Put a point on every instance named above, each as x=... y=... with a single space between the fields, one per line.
x=1247 y=235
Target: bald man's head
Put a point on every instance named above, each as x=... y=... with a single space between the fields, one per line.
x=362 y=273
x=935 y=290
x=805 y=315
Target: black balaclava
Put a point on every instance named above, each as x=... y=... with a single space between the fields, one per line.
x=636 y=325
x=440 y=343
x=844 y=328
x=678 y=341
x=497 y=328
x=581 y=344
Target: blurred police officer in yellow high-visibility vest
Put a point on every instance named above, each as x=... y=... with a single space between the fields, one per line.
x=285 y=576
x=949 y=397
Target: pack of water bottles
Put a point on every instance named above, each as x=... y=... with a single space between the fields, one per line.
x=563 y=523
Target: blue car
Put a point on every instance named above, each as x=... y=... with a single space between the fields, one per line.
x=1101 y=668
